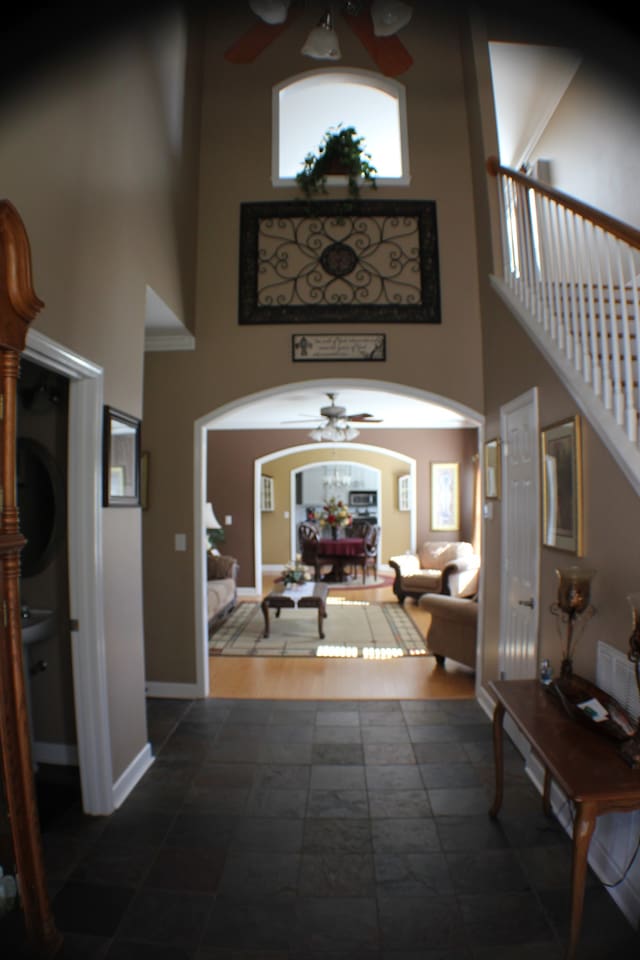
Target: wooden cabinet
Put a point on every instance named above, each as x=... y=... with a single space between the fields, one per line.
x=18 y=307
x=267 y=503
x=404 y=492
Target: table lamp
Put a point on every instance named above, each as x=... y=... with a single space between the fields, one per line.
x=572 y=607
x=215 y=533
x=630 y=750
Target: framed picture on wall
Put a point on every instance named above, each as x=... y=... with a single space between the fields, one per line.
x=562 y=485
x=445 y=496
x=120 y=459
x=492 y=469
x=374 y=261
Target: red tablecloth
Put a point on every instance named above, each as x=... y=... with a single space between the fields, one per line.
x=344 y=547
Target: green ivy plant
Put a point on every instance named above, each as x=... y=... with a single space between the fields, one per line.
x=341 y=151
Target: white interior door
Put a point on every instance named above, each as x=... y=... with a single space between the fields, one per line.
x=520 y=538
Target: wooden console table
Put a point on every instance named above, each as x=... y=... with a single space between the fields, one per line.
x=584 y=763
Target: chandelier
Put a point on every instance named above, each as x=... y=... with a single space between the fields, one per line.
x=337 y=477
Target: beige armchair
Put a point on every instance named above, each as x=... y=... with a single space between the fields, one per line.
x=453 y=629
x=450 y=568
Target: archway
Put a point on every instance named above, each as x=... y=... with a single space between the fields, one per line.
x=223 y=416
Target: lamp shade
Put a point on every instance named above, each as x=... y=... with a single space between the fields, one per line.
x=210 y=519
x=271 y=11
x=322 y=42
x=389 y=16
x=574 y=589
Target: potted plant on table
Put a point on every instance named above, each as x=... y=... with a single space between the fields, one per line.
x=295 y=573
x=341 y=152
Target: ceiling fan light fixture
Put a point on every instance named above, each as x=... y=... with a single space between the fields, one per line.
x=334 y=433
x=271 y=11
x=389 y=16
x=322 y=42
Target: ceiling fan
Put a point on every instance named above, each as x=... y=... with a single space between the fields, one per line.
x=337 y=423
x=374 y=22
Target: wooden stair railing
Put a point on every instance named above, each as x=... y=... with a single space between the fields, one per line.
x=575 y=271
x=18 y=307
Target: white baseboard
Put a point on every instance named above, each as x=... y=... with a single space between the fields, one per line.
x=132 y=775
x=486 y=702
x=60 y=754
x=247 y=592
x=172 y=691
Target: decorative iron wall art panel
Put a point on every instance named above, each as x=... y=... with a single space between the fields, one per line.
x=339 y=261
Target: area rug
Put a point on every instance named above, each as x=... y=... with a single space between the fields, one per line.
x=352 y=629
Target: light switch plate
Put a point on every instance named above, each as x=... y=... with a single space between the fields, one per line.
x=180 y=542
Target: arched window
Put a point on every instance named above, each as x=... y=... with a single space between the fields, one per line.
x=306 y=106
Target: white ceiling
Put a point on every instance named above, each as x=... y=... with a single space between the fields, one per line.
x=299 y=408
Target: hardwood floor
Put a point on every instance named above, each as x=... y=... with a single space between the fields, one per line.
x=288 y=678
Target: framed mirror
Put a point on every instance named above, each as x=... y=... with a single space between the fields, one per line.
x=121 y=459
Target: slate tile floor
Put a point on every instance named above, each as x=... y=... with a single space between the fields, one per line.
x=321 y=831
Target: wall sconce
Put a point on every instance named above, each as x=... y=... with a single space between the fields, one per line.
x=215 y=533
x=574 y=592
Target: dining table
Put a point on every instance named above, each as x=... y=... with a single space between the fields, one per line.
x=339 y=552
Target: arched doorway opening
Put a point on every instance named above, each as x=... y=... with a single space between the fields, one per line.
x=404 y=408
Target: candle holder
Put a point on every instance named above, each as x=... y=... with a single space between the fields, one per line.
x=572 y=609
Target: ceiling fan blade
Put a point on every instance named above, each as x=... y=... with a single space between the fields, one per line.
x=363 y=418
x=303 y=422
x=257 y=38
x=389 y=53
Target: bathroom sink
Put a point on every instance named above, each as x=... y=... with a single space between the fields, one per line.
x=36 y=625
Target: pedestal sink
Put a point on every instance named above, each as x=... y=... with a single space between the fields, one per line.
x=37 y=624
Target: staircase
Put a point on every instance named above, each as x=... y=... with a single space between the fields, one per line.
x=571 y=275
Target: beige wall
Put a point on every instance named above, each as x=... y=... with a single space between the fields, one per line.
x=232 y=361
x=86 y=158
x=582 y=164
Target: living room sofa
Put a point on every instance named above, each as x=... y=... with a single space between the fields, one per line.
x=447 y=567
x=222 y=589
x=453 y=629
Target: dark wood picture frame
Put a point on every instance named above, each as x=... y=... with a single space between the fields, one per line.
x=561 y=465
x=120 y=459
x=327 y=261
x=338 y=347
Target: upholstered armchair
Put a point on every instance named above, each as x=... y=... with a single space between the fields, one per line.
x=453 y=629
x=450 y=568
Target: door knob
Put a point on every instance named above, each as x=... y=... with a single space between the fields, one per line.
x=527 y=603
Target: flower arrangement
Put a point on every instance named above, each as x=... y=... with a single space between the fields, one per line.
x=334 y=514
x=296 y=572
